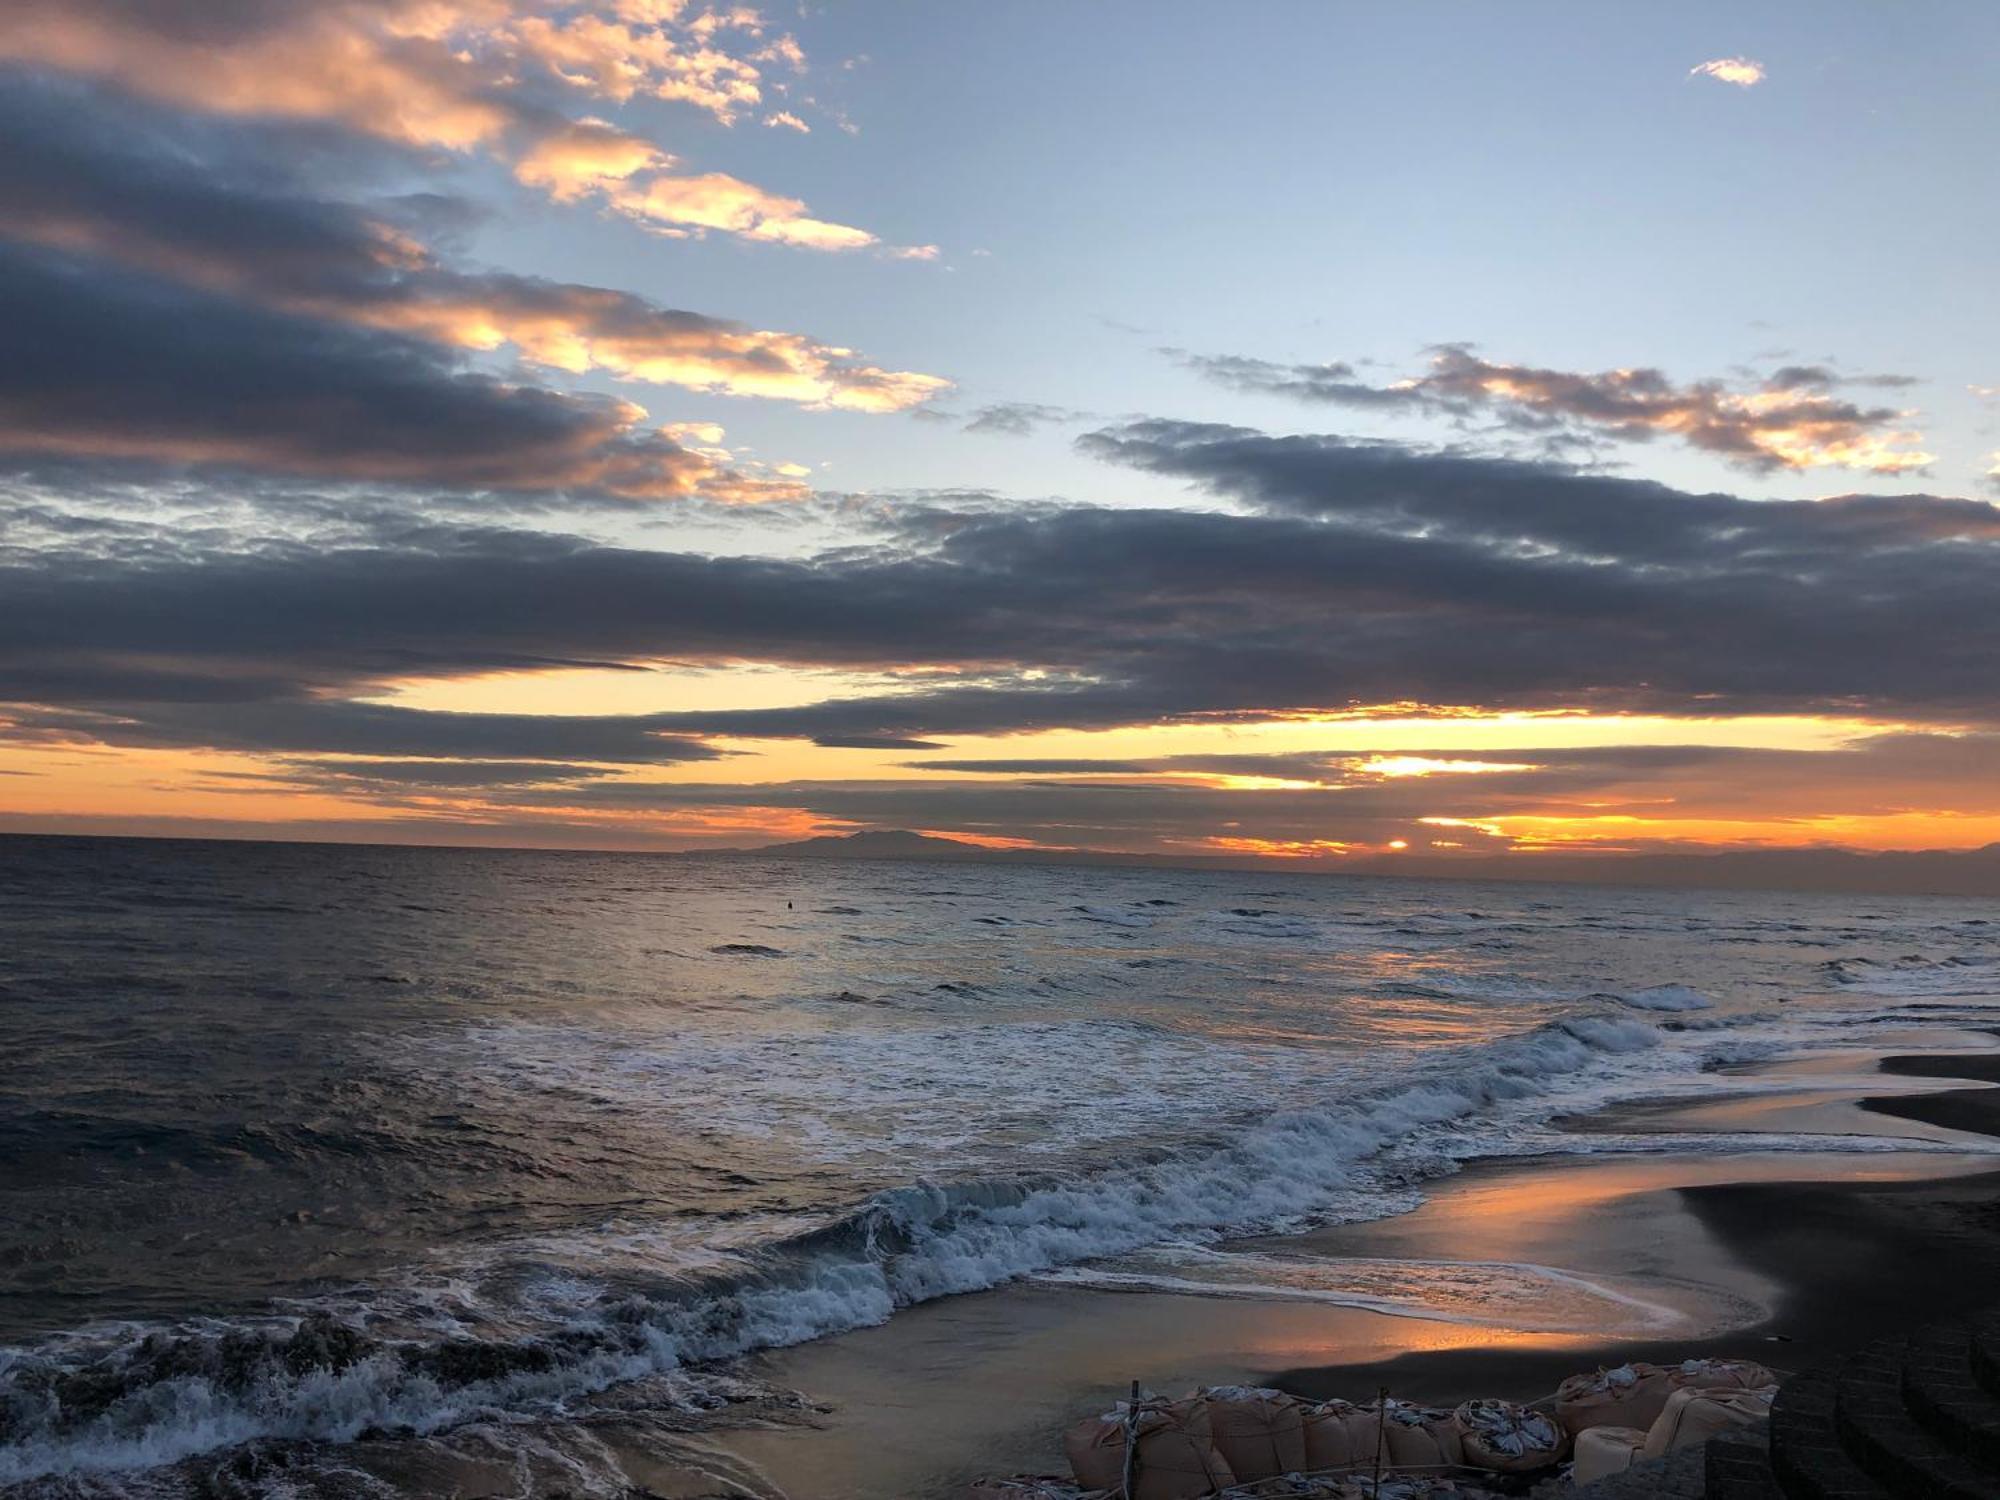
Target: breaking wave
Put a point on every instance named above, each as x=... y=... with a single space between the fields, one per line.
x=538 y=1330
x=1914 y=976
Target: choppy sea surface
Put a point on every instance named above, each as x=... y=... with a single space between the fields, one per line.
x=326 y=1146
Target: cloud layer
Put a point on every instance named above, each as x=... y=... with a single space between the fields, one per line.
x=1349 y=575
x=1796 y=418
x=82 y=174
x=182 y=301
x=492 y=76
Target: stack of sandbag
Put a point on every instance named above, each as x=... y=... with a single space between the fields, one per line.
x=1408 y=1487
x=1606 y=1450
x=1634 y=1395
x=1291 y=1487
x=1720 y=1375
x=1664 y=1409
x=1175 y=1455
x=1355 y=1487
x=1695 y=1414
x=1503 y=1438
x=1340 y=1435
x=1259 y=1433
x=1627 y=1396
x=1417 y=1437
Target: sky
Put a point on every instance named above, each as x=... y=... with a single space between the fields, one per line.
x=1322 y=432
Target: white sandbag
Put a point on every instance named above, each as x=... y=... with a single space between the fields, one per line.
x=1339 y=1435
x=1720 y=1375
x=1260 y=1433
x=1694 y=1416
x=1630 y=1395
x=1420 y=1437
x=1176 y=1457
x=1606 y=1450
x=1503 y=1438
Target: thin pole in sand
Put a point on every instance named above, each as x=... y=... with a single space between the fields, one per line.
x=1131 y=1443
x=1381 y=1434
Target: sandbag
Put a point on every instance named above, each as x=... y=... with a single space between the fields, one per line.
x=1419 y=1437
x=1630 y=1395
x=1503 y=1438
x=1694 y=1415
x=1354 y=1487
x=1339 y=1435
x=1259 y=1433
x=1291 y=1487
x=1606 y=1450
x=1406 y=1487
x=1176 y=1457
x=1720 y=1375
x=1028 y=1487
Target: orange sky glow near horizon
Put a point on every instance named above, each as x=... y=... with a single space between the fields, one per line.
x=87 y=787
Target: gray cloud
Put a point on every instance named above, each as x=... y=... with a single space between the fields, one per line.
x=1045 y=766
x=118 y=365
x=1016 y=418
x=873 y=742
x=431 y=775
x=362 y=729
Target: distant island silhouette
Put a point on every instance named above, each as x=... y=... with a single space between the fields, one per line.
x=1941 y=872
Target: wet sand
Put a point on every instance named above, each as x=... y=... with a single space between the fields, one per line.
x=1849 y=1254
x=1786 y=1257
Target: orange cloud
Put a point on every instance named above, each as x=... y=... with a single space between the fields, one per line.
x=585 y=156
x=580 y=329
x=386 y=69
x=616 y=59
x=717 y=201
x=1741 y=71
x=1788 y=423
x=612 y=454
x=593 y=157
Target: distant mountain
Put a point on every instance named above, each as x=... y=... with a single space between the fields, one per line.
x=1943 y=872
x=895 y=843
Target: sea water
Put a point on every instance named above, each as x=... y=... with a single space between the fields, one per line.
x=317 y=1144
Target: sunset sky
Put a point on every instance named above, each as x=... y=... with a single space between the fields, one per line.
x=1316 y=430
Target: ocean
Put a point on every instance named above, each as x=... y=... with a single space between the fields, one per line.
x=309 y=1146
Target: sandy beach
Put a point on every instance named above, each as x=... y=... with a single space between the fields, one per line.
x=1789 y=1257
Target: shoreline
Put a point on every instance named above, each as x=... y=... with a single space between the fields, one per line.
x=1790 y=1257
x=1836 y=1251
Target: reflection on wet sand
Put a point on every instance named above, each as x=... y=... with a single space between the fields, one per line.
x=986 y=1383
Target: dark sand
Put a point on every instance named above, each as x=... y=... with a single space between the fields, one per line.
x=1958 y=1109
x=1789 y=1258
